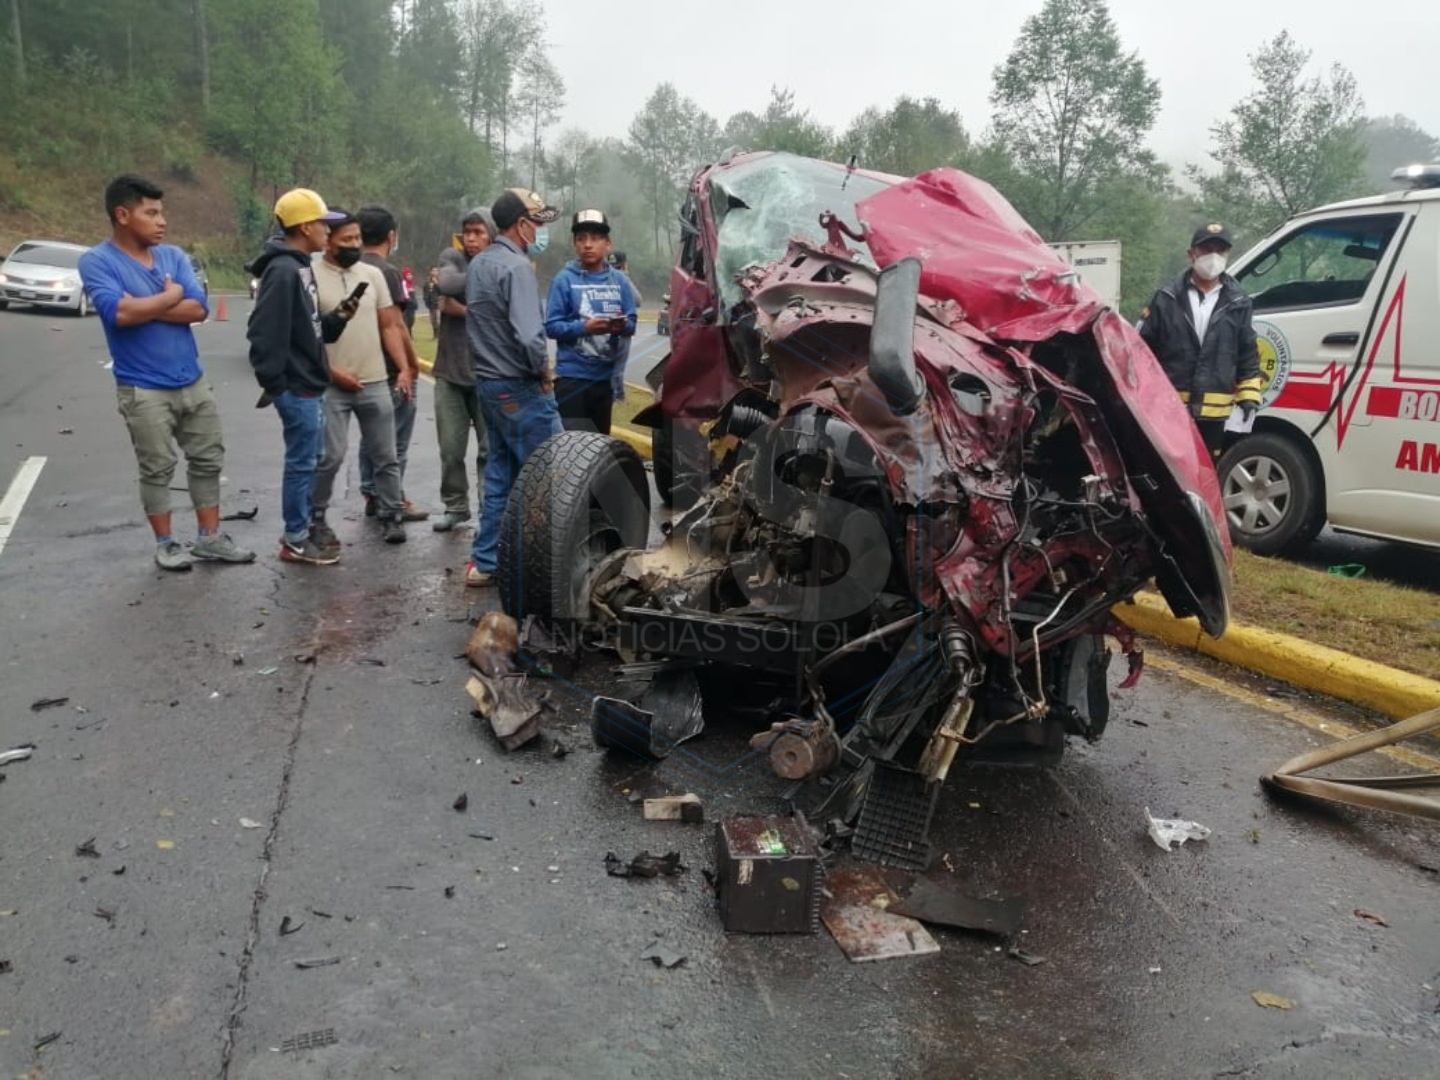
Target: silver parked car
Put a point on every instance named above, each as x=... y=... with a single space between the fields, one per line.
x=43 y=273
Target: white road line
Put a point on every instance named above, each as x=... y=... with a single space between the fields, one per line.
x=15 y=497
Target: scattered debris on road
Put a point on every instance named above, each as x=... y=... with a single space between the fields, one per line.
x=1028 y=959
x=106 y=914
x=687 y=808
x=247 y=823
x=48 y=703
x=768 y=876
x=87 y=850
x=46 y=1040
x=462 y=801
x=316 y=961
x=241 y=515
x=644 y=865
x=939 y=904
x=17 y=753
x=310 y=1040
x=1267 y=1000
x=1416 y=794
x=288 y=926
x=855 y=905
x=1371 y=917
x=1173 y=831
x=662 y=956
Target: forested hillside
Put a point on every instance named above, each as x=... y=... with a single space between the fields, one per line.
x=431 y=106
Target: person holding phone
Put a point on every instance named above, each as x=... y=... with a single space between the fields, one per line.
x=359 y=384
x=591 y=315
x=288 y=330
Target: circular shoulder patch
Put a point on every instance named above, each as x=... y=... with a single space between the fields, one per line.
x=1274 y=360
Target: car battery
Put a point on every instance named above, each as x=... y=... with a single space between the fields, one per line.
x=768 y=873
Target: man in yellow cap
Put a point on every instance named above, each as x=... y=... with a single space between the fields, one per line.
x=287 y=335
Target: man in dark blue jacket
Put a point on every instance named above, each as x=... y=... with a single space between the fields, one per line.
x=1199 y=328
x=512 y=367
x=591 y=314
x=287 y=335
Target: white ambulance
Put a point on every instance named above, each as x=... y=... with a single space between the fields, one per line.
x=1347 y=312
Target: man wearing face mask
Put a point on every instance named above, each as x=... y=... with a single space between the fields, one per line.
x=1199 y=328
x=515 y=382
x=359 y=386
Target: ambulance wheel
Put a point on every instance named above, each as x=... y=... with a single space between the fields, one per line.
x=1273 y=494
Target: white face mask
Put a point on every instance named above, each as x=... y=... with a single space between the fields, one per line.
x=1210 y=265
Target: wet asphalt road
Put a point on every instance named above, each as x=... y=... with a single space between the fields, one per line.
x=349 y=766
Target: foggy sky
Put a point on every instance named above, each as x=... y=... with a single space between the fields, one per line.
x=840 y=56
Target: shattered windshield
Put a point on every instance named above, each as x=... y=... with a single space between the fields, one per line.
x=762 y=204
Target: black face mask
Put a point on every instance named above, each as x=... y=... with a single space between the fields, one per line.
x=347 y=256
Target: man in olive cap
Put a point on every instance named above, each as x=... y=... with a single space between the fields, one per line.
x=1198 y=326
x=514 y=380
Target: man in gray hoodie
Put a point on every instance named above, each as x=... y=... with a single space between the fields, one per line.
x=512 y=362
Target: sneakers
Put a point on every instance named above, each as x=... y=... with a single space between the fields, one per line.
x=394 y=531
x=308 y=552
x=172 y=556
x=220 y=548
x=450 y=519
x=324 y=537
x=477 y=578
x=410 y=512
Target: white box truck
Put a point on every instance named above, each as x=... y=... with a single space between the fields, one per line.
x=1097 y=262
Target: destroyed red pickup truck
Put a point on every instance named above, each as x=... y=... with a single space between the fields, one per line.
x=923 y=462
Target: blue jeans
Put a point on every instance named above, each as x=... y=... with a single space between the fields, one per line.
x=519 y=416
x=303 y=421
x=405 y=411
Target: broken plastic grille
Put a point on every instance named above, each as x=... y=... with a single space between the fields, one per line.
x=895 y=820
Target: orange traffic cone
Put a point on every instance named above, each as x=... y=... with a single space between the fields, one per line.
x=220 y=315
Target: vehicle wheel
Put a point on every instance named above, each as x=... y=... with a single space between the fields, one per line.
x=4 y=305
x=680 y=493
x=1271 y=493
x=580 y=497
x=83 y=307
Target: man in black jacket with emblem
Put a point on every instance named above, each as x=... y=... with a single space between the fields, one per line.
x=1199 y=328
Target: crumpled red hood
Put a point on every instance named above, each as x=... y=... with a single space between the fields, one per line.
x=977 y=251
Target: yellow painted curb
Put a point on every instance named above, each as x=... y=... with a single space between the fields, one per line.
x=1327 y=671
x=642 y=443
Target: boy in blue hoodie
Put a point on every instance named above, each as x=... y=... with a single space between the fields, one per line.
x=590 y=314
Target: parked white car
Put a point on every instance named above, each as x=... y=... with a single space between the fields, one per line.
x=43 y=273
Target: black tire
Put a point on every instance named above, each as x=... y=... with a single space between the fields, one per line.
x=83 y=307
x=4 y=305
x=581 y=496
x=1272 y=493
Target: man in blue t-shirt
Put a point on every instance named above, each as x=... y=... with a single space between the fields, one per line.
x=591 y=314
x=147 y=297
